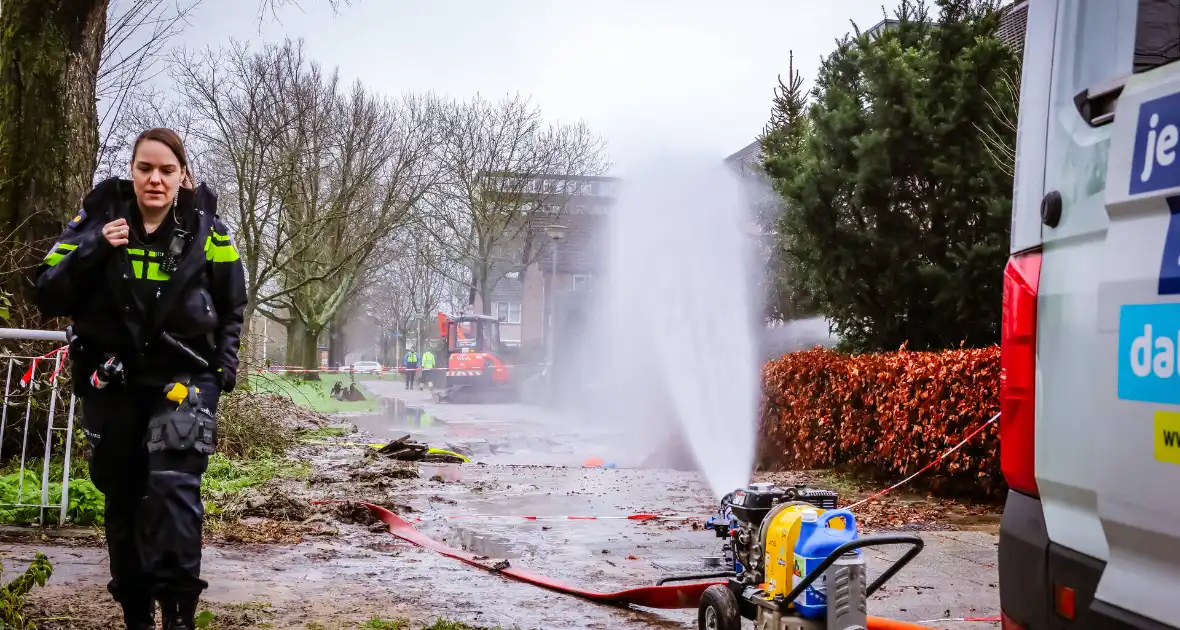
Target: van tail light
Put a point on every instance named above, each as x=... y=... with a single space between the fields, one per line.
x=1064 y=600
x=1018 y=369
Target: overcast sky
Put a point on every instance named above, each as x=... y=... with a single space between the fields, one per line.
x=652 y=76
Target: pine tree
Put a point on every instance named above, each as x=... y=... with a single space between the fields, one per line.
x=897 y=212
x=788 y=294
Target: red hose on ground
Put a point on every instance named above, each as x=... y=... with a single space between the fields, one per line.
x=667 y=596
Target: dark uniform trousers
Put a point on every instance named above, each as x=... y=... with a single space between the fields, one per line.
x=154 y=513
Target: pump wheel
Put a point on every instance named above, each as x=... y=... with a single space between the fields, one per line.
x=718 y=610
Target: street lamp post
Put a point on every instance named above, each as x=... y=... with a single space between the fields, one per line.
x=557 y=233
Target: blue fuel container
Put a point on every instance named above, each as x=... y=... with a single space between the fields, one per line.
x=816 y=540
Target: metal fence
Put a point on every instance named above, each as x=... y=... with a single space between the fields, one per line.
x=26 y=379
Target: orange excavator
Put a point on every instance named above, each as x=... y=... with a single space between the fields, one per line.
x=475 y=367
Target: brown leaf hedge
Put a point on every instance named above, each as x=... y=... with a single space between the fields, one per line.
x=886 y=416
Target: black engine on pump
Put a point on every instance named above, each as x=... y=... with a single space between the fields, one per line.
x=740 y=520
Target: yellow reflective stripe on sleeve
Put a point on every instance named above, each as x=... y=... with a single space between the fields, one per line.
x=224 y=254
x=57 y=253
x=135 y=252
x=220 y=253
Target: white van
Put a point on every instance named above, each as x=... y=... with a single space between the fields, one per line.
x=1090 y=431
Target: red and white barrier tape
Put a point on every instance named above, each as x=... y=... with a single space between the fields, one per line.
x=280 y=369
x=926 y=467
x=27 y=378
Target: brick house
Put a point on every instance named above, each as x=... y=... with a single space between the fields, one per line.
x=581 y=204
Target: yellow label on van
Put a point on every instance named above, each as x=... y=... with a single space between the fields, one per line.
x=1167 y=437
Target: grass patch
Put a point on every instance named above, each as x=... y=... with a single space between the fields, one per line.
x=229 y=476
x=226 y=477
x=376 y=623
x=316 y=395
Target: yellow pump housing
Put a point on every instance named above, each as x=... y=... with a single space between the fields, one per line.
x=780 y=533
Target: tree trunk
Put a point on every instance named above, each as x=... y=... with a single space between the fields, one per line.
x=296 y=332
x=335 y=344
x=485 y=296
x=49 y=56
x=311 y=351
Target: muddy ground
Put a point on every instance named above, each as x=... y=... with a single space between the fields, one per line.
x=290 y=563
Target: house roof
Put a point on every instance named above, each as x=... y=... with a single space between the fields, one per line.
x=745 y=154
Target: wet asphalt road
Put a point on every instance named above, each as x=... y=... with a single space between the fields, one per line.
x=528 y=462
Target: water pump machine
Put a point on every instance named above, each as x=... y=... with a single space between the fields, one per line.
x=793 y=561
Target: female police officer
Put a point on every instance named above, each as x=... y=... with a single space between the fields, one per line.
x=151 y=280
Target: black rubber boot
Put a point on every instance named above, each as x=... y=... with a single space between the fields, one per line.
x=180 y=613
x=139 y=613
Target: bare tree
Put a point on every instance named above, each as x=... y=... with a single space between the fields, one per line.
x=351 y=165
x=502 y=165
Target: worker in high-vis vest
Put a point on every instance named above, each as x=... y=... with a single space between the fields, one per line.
x=411 y=365
x=427 y=364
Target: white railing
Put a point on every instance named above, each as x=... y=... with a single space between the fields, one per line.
x=15 y=370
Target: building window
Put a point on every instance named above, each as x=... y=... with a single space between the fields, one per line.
x=583 y=281
x=508 y=312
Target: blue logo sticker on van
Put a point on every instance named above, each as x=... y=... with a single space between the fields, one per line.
x=1169 y=283
x=1149 y=336
x=1154 y=164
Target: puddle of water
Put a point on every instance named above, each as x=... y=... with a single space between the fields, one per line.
x=485 y=544
x=406 y=416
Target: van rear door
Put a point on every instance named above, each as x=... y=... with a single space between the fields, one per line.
x=1138 y=390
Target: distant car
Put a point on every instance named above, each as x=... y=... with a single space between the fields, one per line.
x=363 y=367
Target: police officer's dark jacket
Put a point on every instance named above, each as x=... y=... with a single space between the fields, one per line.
x=102 y=288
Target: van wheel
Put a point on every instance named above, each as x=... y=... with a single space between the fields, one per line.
x=718 y=610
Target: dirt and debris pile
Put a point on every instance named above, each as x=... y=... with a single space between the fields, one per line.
x=352 y=512
x=271 y=502
x=374 y=469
